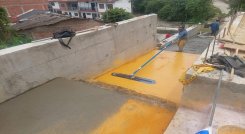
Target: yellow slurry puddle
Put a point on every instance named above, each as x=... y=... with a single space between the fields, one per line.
x=166 y=69
x=136 y=117
x=231 y=130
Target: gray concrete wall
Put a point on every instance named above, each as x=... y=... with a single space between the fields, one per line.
x=27 y=66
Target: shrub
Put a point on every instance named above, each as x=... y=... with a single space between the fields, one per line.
x=153 y=6
x=8 y=36
x=237 y=5
x=115 y=15
x=178 y=10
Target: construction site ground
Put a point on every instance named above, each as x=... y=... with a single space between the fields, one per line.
x=66 y=106
x=63 y=106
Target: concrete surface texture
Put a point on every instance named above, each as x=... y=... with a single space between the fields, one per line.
x=166 y=70
x=69 y=107
x=231 y=130
x=194 y=45
x=29 y=65
x=196 y=102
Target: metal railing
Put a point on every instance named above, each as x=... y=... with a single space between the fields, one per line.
x=87 y=8
x=72 y=8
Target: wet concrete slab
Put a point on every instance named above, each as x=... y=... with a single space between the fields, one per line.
x=166 y=70
x=70 y=107
x=194 y=45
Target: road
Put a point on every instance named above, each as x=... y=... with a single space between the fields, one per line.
x=224 y=7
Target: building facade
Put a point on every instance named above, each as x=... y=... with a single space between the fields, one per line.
x=87 y=9
x=18 y=7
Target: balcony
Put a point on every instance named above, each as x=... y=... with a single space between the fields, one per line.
x=73 y=8
x=87 y=9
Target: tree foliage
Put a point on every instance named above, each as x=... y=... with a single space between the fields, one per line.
x=8 y=36
x=4 y=27
x=115 y=15
x=237 y=5
x=177 y=10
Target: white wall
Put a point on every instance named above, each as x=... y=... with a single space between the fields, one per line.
x=56 y=5
x=73 y=14
x=101 y=10
x=125 y=4
x=84 y=5
x=89 y=16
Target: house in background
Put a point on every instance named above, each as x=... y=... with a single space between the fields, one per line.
x=43 y=25
x=110 y=4
x=87 y=9
x=18 y=7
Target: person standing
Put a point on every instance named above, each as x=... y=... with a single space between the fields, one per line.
x=182 y=38
x=214 y=28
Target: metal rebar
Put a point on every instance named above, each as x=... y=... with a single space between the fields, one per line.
x=217 y=90
x=214 y=45
x=206 y=55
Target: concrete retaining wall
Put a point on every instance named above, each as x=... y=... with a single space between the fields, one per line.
x=26 y=66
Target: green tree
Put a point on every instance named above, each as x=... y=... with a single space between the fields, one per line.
x=197 y=13
x=4 y=27
x=237 y=5
x=8 y=36
x=153 y=6
x=177 y=10
x=139 y=6
x=115 y=15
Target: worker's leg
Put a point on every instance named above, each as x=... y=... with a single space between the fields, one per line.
x=181 y=44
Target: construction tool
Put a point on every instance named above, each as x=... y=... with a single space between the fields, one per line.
x=140 y=79
x=214 y=45
x=206 y=55
x=208 y=130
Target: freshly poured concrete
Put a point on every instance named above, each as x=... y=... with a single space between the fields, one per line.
x=136 y=117
x=69 y=107
x=166 y=69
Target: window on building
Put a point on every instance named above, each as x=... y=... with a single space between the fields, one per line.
x=94 y=15
x=109 y=6
x=74 y=5
x=65 y=13
x=102 y=6
x=76 y=14
x=88 y=13
x=52 y=3
x=59 y=12
x=62 y=5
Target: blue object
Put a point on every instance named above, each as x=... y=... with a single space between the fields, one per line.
x=214 y=27
x=182 y=34
x=203 y=132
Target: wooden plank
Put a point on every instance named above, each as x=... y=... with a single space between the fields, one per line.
x=234 y=46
